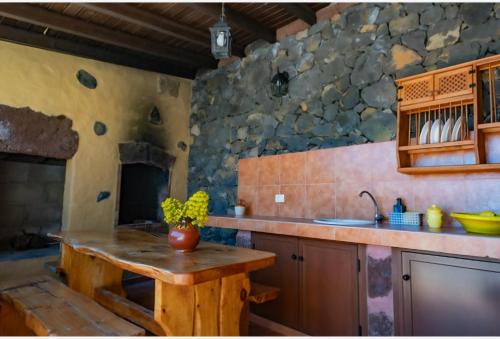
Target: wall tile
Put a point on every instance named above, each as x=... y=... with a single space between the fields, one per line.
x=354 y=163
x=248 y=174
x=292 y=168
x=320 y=201
x=326 y=183
x=265 y=201
x=294 y=206
x=348 y=203
x=386 y=193
x=385 y=165
x=449 y=195
x=482 y=195
x=320 y=166
x=269 y=172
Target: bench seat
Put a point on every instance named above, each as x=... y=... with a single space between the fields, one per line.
x=260 y=293
x=45 y=307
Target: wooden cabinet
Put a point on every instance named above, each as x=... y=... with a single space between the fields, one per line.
x=449 y=296
x=318 y=281
x=435 y=86
x=328 y=288
x=453 y=83
x=416 y=90
x=284 y=275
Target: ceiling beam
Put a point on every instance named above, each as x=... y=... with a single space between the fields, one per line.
x=146 y=19
x=51 y=43
x=236 y=19
x=300 y=11
x=59 y=22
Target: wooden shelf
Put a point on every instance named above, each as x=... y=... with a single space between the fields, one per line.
x=438 y=103
x=489 y=127
x=441 y=147
x=450 y=169
x=445 y=94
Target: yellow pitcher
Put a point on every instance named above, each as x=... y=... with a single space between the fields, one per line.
x=434 y=217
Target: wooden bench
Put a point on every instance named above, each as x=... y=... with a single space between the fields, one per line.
x=260 y=294
x=45 y=307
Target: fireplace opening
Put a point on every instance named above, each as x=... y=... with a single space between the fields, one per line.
x=142 y=189
x=31 y=204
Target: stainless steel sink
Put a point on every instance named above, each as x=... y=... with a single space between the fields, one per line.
x=344 y=222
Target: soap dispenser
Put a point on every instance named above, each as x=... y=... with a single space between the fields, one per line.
x=399 y=207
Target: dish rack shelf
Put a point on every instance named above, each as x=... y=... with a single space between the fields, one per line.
x=448 y=111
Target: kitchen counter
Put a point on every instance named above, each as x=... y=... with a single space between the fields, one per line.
x=451 y=240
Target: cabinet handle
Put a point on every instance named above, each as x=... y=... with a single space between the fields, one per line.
x=294 y=257
x=301 y=258
x=406 y=277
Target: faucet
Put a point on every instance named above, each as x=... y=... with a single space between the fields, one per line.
x=378 y=217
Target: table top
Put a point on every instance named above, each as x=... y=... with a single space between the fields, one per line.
x=150 y=255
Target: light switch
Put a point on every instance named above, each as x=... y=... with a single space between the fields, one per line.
x=279 y=198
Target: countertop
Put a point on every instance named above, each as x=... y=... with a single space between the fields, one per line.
x=451 y=240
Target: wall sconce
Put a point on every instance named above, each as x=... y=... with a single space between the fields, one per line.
x=279 y=84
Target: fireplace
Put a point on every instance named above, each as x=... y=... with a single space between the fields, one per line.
x=34 y=148
x=144 y=184
x=142 y=189
x=31 y=200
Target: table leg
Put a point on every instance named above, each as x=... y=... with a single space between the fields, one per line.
x=87 y=273
x=208 y=309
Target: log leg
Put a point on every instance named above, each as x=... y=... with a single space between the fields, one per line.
x=12 y=323
x=235 y=290
x=208 y=309
x=86 y=273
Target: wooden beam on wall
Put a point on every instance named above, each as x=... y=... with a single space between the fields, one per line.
x=300 y=11
x=51 y=43
x=46 y=18
x=236 y=19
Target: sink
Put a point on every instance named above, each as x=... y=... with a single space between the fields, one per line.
x=344 y=222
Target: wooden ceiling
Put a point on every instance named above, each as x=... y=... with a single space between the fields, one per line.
x=171 y=38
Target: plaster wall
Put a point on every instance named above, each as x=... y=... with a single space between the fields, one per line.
x=46 y=81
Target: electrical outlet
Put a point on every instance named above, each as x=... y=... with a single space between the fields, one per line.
x=279 y=198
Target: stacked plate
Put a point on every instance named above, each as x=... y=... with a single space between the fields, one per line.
x=431 y=133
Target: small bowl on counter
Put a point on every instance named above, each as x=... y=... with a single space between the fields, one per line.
x=485 y=222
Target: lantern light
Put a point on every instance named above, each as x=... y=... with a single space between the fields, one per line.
x=279 y=84
x=221 y=38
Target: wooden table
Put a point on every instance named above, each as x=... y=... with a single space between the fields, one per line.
x=199 y=293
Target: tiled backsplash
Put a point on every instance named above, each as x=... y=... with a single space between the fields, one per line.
x=326 y=183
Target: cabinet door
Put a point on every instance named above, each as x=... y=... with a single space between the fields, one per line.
x=445 y=296
x=416 y=90
x=284 y=275
x=450 y=84
x=329 y=288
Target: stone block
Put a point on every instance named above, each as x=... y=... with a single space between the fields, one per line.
x=42 y=173
x=11 y=171
x=21 y=130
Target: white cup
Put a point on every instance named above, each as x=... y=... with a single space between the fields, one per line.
x=239 y=211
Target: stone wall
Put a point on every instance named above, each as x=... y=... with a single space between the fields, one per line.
x=341 y=89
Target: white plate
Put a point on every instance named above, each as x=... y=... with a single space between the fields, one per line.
x=423 y=134
x=446 y=132
x=455 y=135
x=436 y=127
